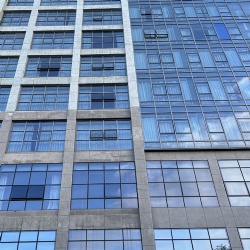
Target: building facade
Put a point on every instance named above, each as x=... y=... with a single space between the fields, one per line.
x=124 y=125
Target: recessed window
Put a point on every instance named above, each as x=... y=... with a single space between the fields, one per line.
x=236 y=176
x=102 y=17
x=48 y=66
x=15 y=18
x=181 y=184
x=4 y=95
x=20 y=2
x=33 y=240
x=37 y=136
x=56 y=18
x=30 y=186
x=103 y=66
x=102 y=39
x=53 y=40
x=192 y=239
x=105 y=239
x=11 y=41
x=102 y=185
x=100 y=2
x=245 y=237
x=104 y=135
x=103 y=97
x=57 y=2
x=8 y=66
x=43 y=98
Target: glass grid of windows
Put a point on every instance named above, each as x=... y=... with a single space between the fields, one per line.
x=43 y=98
x=30 y=186
x=192 y=239
x=57 y=2
x=8 y=66
x=52 y=66
x=127 y=239
x=245 y=237
x=11 y=41
x=103 y=97
x=104 y=135
x=103 y=66
x=4 y=95
x=236 y=177
x=32 y=240
x=102 y=17
x=102 y=39
x=56 y=18
x=194 y=81
x=101 y=2
x=181 y=184
x=20 y=2
x=104 y=185
x=15 y=18
x=53 y=40
x=37 y=136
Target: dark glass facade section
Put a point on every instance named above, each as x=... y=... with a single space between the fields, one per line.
x=112 y=65
x=8 y=66
x=192 y=239
x=53 y=40
x=43 y=98
x=102 y=39
x=30 y=186
x=104 y=135
x=15 y=18
x=11 y=41
x=106 y=185
x=102 y=17
x=181 y=184
x=192 y=62
x=126 y=239
x=37 y=136
x=4 y=96
x=33 y=240
x=103 y=97
x=56 y=18
x=53 y=66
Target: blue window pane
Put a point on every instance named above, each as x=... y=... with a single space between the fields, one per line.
x=221 y=31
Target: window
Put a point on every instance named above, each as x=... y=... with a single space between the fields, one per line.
x=192 y=239
x=43 y=98
x=11 y=41
x=34 y=240
x=103 y=97
x=53 y=40
x=57 y=2
x=20 y=2
x=245 y=237
x=102 y=39
x=103 y=66
x=105 y=239
x=102 y=17
x=221 y=31
x=8 y=66
x=48 y=66
x=100 y=2
x=56 y=18
x=104 y=185
x=15 y=18
x=30 y=186
x=4 y=95
x=104 y=135
x=155 y=34
x=37 y=136
x=236 y=177
x=181 y=184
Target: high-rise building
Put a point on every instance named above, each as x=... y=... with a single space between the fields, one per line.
x=125 y=125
